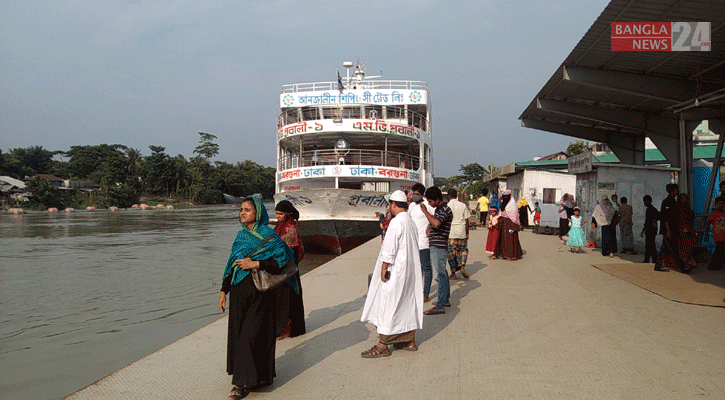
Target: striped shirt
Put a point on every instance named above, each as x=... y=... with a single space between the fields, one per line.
x=439 y=236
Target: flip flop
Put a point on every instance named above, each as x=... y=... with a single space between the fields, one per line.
x=464 y=273
x=238 y=393
x=434 y=311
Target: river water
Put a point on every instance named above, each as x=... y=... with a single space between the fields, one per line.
x=84 y=294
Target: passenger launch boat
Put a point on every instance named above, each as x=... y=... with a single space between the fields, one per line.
x=342 y=145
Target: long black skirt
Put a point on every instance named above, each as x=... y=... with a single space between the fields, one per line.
x=563 y=227
x=609 y=239
x=524 y=217
x=251 y=338
x=290 y=308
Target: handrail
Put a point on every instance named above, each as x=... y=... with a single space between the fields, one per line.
x=371 y=84
x=379 y=158
x=295 y=116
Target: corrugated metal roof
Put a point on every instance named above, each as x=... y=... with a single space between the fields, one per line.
x=627 y=79
x=7 y=184
x=651 y=156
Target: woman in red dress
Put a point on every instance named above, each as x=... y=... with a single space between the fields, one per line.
x=686 y=223
x=508 y=246
x=290 y=309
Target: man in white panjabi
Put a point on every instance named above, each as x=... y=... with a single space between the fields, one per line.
x=394 y=303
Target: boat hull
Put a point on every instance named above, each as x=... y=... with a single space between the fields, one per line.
x=336 y=236
x=336 y=220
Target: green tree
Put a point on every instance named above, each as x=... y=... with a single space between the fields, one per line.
x=454 y=181
x=28 y=161
x=85 y=160
x=133 y=161
x=157 y=173
x=44 y=193
x=472 y=172
x=489 y=170
x=577 y=147
x=206 y=148
x=439 y=181
x=123 y=195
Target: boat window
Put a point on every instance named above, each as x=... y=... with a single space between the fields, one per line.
x=350 y=185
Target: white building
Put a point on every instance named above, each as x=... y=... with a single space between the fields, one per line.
x=594 y=180
x=545 y=187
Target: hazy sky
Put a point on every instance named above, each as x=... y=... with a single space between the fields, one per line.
x=156 y=72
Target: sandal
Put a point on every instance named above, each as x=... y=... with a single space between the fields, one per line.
x=464 y=273
x=238 y=393
x=375 y=352
x=434 y=311
x=425 y=299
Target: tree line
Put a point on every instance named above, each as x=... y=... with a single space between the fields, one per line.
x=125 y=174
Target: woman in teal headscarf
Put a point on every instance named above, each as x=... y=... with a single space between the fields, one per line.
x=251 y=337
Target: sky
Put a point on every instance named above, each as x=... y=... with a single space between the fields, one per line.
x=156 y=72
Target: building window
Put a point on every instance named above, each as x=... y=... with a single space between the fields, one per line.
x=549 y=196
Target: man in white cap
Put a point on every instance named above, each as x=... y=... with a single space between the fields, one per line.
x=394 y=302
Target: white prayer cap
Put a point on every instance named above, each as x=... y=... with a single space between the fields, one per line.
x=399 y=195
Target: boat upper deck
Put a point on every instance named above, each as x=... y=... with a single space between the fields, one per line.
x=355 y=85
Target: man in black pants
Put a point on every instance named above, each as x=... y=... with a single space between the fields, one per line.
x=649 y=231
x=669 y=215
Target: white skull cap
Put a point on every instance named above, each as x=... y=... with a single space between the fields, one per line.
x=399 y=195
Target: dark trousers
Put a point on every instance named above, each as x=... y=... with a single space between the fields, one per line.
x=563 y=227
x=650 y=247
x=718 y=258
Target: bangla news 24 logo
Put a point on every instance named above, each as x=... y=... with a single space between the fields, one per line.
x=661 y=36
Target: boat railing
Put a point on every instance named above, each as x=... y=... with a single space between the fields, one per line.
x=379 y=158
x=371 y=84
x=295 y=116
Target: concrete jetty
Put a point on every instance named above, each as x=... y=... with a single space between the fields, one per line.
x=549 y=326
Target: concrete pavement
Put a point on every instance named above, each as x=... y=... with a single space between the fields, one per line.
x=549 y=326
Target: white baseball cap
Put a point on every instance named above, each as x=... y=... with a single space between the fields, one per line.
x=399 y=195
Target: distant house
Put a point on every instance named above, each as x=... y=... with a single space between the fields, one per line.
x=54 y=180
x=11 y=190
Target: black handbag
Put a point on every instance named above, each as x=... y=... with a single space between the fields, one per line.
x=264 y=280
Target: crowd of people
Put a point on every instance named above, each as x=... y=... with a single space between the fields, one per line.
x=423 y=234
x=676 y=225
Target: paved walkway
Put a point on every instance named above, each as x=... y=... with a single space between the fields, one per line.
x=549 y=326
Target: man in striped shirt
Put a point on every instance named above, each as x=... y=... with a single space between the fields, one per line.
x=440 y=228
